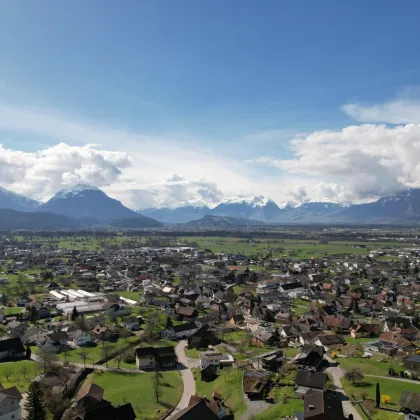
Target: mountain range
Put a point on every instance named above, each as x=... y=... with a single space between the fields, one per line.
x=88 y=206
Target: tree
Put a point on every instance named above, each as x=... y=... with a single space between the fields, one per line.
x=354 y=375
x=24 y=371
x=35 y=403
x=84 y=355
x=378 y=395
x=169 y=322
x=74 y=314
x=81 y=323
x=157 y=383
x=105 y=353
x=7 y=372
x=33 y=315
x=386 y=399
x=153 y=322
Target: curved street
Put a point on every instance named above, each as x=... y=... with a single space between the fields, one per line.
x=187 y=378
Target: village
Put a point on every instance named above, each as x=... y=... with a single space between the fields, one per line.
x=182 y=329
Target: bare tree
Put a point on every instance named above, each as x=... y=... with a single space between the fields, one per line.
x=84 y=355
x=24 y=371
x=105 y=353
x=7 y=372
x=153 y=322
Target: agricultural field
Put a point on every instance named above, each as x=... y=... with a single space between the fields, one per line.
x=229 y=384
x=287 y=248
x=137 y=389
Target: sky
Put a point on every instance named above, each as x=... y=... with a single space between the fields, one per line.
x=164 y=103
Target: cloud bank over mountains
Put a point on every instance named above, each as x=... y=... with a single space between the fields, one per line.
x=377 y=156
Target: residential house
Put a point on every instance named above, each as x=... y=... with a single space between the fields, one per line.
x=89 y=397
x=237 y=319
x=10 y=403
x=410 y=405
x=330 y=342
x=270 y=361
x=263 y=338
x=33 y=334
x=55 y=342
x=412 y=364
x=311 y=357
x=107 y=411
x=202 y=338
x=307 y=380
x=16 y=328
x=11 y=348
x=180 y=331
x=365 y=330
x=80 y=338
x=187 y=313
x=149 y=357
x=197 y=410
x=404 y=345
x=214 y=358
x=339 y=324
x=131 y=323
x=256 y=384
x=319 y=405
x=103 y=333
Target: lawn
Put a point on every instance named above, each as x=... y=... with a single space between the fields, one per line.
x=192 y=353
x=370 y=366
x=291 y=352
x=137 y=389
x=16 y=377
x=351 y=340
x=389 y=387
x=228 y=384
x=286 y=404
x=12 y=311
x=94 y=354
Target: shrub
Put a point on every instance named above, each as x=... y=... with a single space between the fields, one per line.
x=386 y=399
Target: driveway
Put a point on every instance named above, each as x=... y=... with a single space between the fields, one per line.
x=187 y=378
x=337 y=374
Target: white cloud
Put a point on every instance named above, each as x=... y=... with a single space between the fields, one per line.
x=42 y=173
x=175 y=191
x=356 y=163
x=153 y=158
x=402 y=111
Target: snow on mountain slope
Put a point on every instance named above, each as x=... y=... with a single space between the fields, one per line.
x=11 y=200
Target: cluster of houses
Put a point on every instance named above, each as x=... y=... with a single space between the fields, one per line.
x=312 y=305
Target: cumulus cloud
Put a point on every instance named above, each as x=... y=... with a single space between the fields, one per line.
x=358 y=162
x=175 y=191
x=42 y=173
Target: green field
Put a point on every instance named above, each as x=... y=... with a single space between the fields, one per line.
x=286 y=404
x=16 y=377
x=390 y=387
x=192 y=353
x=287 y=248
x=228 y=384
x=370 y=366
x=137 y=389
x=94 y=354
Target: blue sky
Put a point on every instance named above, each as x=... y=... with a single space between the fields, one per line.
x=233 y=81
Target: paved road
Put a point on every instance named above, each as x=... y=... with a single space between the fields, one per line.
x=394 y=378
x=187 y=378
x=337 y=374
x=23 y=412
x=254 y=408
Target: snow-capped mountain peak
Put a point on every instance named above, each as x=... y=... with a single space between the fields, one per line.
x=253 y=200
x=14 y=201
x=79 y=188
